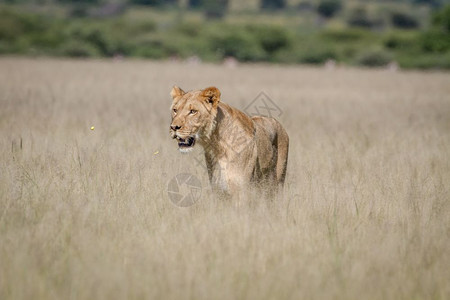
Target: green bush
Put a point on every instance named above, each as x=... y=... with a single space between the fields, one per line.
x=316 y=54
x=5 y=48
x=238 y=43
x=79 y=1
x=273 y=4
x=195 y=3
x=441 y=19
x=215 y=9
x=271 y=38
x=404 y=20
x=191 y=29
x=147 y=2
x=435 y=41
x=14 y=24
x=345 y=35
x=98 y=38
x=79 y=11
x=402 y=41
x=428 y=61
x=10 y=25
x=79 y=49
x=108 y=38
x=432 y=3
x=328 y=8
x=159 y=47
x=359 y=17
x=437 y=38
x=374 y=58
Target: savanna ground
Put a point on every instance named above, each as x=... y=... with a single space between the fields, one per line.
x=85 y=214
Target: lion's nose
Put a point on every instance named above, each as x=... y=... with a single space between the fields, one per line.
x=175 y=127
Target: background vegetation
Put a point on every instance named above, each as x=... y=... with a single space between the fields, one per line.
x=414 y=34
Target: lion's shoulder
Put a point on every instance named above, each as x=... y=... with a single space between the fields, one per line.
x=233 y=118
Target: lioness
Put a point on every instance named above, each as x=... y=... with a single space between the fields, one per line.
x=240 y=151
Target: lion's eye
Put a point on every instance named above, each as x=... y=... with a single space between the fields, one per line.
x=174 y=110
x=192 y=112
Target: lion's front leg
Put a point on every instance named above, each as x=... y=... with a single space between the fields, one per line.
x=239 y=173
x=227 y=179
x=232 y=174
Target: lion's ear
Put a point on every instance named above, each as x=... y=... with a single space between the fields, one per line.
x=212 y=95
x=176 y=92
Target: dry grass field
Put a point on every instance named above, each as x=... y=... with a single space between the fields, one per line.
x=85 y=214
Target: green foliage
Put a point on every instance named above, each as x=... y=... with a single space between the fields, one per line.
x=79 y=49
x=35 y=34
x=213 y=9
x=152 y=2
x=273 y=4
x=271 y=38
x=404 y=20
x=427 y=61
x=192 y=29
x=328 y=8
x=435 y=41
x=79 y=1
x=154 y=48
x=195 y=3
x=79 y=11
x=345 y=35
x=236 y=42
x=403 y=41
x=317 y=55
x=432 y=3
x=14 y=24
x=374 y=58
x=437 y=38
x=147 y=2
x=441 y=19
x=359 y=17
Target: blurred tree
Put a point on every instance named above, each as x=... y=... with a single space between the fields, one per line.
x=79 y=1
x=437 y=38
x=441 y=19
x=195 y=3
x=305 y=6
x=79 y=11
x=146 y=2
x=374 y=58
x=328 y=8
x=154 y=2
x=213 y=9
x=271 y=38
x=273 y=4
x=360 y=18
x=433 y=3
x=404 y=20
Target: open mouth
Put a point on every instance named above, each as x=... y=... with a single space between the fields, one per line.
x=188 y=142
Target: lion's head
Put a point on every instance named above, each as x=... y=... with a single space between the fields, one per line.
x=193 y=115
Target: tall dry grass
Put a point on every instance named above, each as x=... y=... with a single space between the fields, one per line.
x=86 y=215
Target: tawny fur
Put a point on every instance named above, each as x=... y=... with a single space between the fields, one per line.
x=241 y=152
